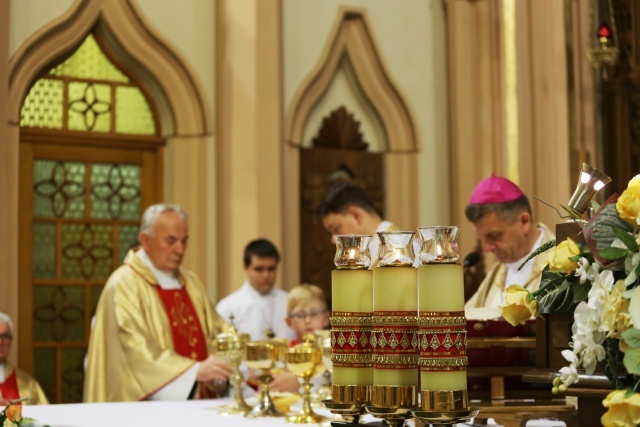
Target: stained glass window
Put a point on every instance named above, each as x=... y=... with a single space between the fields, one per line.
x=87 y=92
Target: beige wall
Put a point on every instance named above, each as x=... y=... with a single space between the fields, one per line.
x=410 y=36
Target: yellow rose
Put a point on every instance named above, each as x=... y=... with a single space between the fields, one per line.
x=623 y=410
x=14 y=413
x=628 y=204
x=559 y=260
x=635 y=181
x=518 y=306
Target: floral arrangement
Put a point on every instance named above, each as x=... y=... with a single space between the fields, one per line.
x=11 y=415
x=596 y=278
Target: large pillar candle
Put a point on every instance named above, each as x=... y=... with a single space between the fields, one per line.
x=352 y=305
x=395 y=330
x=443 y=334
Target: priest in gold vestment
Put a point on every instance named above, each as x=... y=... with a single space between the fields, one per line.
x=14 y=383
x=154 y=325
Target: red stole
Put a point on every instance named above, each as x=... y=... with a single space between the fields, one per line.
x=188 y=337
x=9 y=388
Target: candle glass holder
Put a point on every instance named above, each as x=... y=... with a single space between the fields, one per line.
x=305 y=362
x=396 y=249
x=439 y=244
x=231 y=347
x=265 y=355
x=352 y=252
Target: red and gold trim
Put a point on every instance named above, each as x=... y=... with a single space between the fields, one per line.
x=443 y=341
x=351 y=340
x=395 y=340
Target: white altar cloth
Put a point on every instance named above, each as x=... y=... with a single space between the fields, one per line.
x=192 y=413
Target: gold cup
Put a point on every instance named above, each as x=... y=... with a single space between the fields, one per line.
x=231 y=346
x=264 y=355
x=305 y=361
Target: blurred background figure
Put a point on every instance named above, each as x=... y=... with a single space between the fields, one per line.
x=14 y=383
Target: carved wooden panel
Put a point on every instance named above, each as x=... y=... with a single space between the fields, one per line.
x=620 y=101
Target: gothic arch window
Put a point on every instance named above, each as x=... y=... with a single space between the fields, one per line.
x=90 y=156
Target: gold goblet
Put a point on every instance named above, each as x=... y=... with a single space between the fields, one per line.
x=324 y=392
x=231 y=347
x=305 y=361
x=264 y=355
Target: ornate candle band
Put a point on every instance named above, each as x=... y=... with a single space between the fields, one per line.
x=443 y=341
x=350 y=340
x=395 y=340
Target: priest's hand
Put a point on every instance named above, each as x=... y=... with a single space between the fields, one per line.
x=213 y=369
x=284 y=382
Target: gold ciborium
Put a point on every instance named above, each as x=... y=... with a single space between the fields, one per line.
x=264 y=356
x=305 y=361
x=231 y=347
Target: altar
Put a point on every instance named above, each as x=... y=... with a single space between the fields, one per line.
x=192 y=413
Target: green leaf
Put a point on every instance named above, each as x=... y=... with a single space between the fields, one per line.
x=595 y=205
x=542 y=248
x=613 y=253
x=632 y=337
x=631 y=361
x=628 y=240
x=580 y=291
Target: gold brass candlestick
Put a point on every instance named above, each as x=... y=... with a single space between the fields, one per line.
x=392 y=403
x=232 y=348
x=305 y=361
x=264 y=355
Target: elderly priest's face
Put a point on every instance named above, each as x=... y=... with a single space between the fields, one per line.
x=166 y=243
x=5 y=341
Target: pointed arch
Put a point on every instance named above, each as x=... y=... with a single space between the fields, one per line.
x=167 y=81
x=182 y=109
x=351 y=36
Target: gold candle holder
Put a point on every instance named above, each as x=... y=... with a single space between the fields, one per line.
x=305 y=361
x=392 y=403
x=264 y=355
x=444 y=408
x=232 y=348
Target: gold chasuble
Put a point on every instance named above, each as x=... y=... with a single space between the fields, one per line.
x=18 y=385
x=131 y=350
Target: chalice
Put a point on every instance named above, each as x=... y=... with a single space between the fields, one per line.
x=305 y=361
x=264 y=355
x=324 y=392
x=231 y=347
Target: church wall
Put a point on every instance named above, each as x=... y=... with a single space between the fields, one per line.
x=411 y=38
x=188 y=29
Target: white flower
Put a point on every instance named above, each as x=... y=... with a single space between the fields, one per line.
x=569 y=375
x=586 y=271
